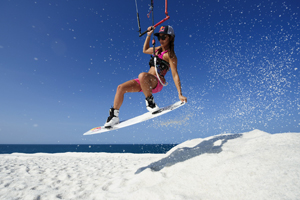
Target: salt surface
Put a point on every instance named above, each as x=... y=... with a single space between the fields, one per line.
x=253 y=165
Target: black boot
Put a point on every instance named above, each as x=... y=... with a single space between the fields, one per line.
x=151 y=105
x=113 y=118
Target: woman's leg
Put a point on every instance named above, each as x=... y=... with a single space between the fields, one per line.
x=148 y=83
x=129 y=86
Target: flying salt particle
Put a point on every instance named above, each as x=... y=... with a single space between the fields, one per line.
x=35 y=58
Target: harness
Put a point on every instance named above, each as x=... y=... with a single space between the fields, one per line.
x=162 y=66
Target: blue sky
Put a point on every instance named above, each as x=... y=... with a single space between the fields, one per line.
x=61 y=61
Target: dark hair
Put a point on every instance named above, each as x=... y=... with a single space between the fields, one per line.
x=171 y=47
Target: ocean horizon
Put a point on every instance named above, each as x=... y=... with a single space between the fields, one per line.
x=86 y=148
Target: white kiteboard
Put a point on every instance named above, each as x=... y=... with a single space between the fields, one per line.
x=135 y=120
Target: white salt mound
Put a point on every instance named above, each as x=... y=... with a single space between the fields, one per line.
x=253 y=165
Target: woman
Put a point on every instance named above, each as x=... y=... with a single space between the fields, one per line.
x=149 y=83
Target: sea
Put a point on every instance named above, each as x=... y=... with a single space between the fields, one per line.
x=84 y=148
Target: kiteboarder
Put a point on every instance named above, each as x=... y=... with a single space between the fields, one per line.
x=152 y=81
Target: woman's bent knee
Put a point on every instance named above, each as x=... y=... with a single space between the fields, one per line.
x=120 y=89
x=141 y=76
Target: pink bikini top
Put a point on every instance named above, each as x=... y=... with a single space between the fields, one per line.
x=161 y=55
